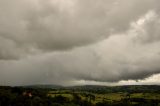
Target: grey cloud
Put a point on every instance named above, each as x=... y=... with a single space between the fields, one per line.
x=60 y=25
x=59 y=41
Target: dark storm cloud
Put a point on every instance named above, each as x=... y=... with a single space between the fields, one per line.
x=60 y=41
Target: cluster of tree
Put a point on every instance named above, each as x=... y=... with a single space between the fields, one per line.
x=19 y=96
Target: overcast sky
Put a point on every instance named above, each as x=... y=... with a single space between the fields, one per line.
x=72 y=42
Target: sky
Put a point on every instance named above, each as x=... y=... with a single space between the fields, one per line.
x=79 y=42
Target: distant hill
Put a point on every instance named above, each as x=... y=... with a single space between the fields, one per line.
x=103 y=89
x=43 y=86
x=115 y=89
